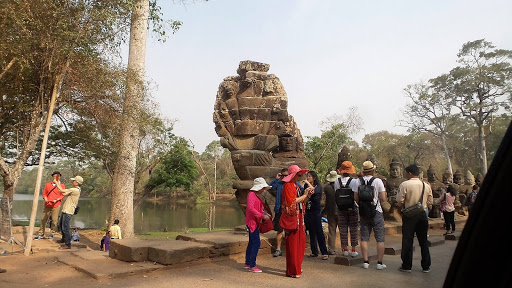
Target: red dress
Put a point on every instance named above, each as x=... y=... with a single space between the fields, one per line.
x=296 y=240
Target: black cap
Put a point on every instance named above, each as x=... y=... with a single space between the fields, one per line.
x=56 y=172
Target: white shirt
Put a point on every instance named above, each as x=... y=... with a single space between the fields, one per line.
x=354 y=183
x=377 y=184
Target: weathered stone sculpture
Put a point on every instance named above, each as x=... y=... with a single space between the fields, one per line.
x=479 y=179
x=437 y=190
x=343 y=156
x=252 y=121
x=466 y=187
x=448 y=180
x=395 y=178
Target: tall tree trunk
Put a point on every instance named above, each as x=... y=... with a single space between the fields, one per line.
x=121 y=206
x=483 y=149
x=446 y=154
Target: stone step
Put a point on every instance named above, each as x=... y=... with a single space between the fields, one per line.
x=101 y=267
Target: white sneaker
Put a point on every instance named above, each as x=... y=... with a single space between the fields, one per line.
x=366 y=265
x=345 y=252
x=381 y=266
x=354 y=254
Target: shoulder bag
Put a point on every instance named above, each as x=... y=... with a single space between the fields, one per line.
x=415 y=209
x=289 y=220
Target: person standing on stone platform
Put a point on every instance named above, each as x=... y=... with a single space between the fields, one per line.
x=68 y=209
x=375 y=223
x=52 y=200
x=331 y=210
x=293 y=199
x=348 y=220
x=409 y=193
x=449 y=198
x=277 y=185
x=253 y=216
x=313 y=217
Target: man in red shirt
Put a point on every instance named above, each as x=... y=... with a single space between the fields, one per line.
x=52 y=201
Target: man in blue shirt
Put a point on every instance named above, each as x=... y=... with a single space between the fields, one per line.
x=277 y=185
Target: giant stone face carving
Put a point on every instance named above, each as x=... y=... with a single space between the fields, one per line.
x=252 y=121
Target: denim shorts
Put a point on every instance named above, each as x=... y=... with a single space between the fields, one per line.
x=376 y=224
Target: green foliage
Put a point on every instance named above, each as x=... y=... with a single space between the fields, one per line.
x=177 y=168
x=322 y=151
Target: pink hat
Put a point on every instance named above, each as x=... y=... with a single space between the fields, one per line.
x=292 y=171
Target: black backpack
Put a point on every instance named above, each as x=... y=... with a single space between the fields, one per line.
x=366 y=191
x=344 y=196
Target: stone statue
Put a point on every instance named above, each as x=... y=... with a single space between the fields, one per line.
x=437 y=190
x=395 y=178
x=343 y=156
x=466 y=188
x=448 y=178
x=479 y=179
x=253 y=123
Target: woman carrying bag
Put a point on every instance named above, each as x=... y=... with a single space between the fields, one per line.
x=253 y=216
x=292 y=220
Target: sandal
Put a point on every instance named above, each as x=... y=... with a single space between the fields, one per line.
x=313 y=255
x=325 y=257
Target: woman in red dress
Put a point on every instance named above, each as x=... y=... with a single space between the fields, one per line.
x=296 y=239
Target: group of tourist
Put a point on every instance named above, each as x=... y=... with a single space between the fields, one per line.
x=352 y=201
x=53 y=194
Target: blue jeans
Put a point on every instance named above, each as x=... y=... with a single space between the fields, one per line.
x=66 y=219
x=313 y=221
x=253 y=246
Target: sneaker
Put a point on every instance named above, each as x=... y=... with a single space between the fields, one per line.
x=277 y=253
x=38 y=237
x=366 y=265
x=2 y=270
x=332 y=252
x=401 y=269
x=354 y=253
x=426 y=270
x=64 y=247
x=381 y=266
x=255 y=270
x=247 y=266
x=50 y=236
x=345 y=252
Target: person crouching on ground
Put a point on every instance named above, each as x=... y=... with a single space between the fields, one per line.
x=115 y=230
x=253 y=215
x=68 y=209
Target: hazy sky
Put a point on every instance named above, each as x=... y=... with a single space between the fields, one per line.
x=329 y=55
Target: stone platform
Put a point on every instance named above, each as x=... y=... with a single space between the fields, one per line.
x=136 y=256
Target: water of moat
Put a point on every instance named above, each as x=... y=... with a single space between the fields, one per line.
x=151 y=216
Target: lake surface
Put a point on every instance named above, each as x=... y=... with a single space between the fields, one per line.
x=151 y=216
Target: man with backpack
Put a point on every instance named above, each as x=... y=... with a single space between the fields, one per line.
x=348 y=219
x=368 y=196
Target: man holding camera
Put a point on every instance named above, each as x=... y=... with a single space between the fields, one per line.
x=277 y=185
x=52 y=200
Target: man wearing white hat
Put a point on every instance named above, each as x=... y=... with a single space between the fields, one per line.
x=68 y=208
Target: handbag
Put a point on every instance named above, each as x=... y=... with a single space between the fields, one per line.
x=266 y=225
x=289 y=220
x=415 y=209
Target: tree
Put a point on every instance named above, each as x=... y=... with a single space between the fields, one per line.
x=322 y=151
x=177 y=168
x=480 y=86
x=49 y=41
x=121 y=205
x=429 y=111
